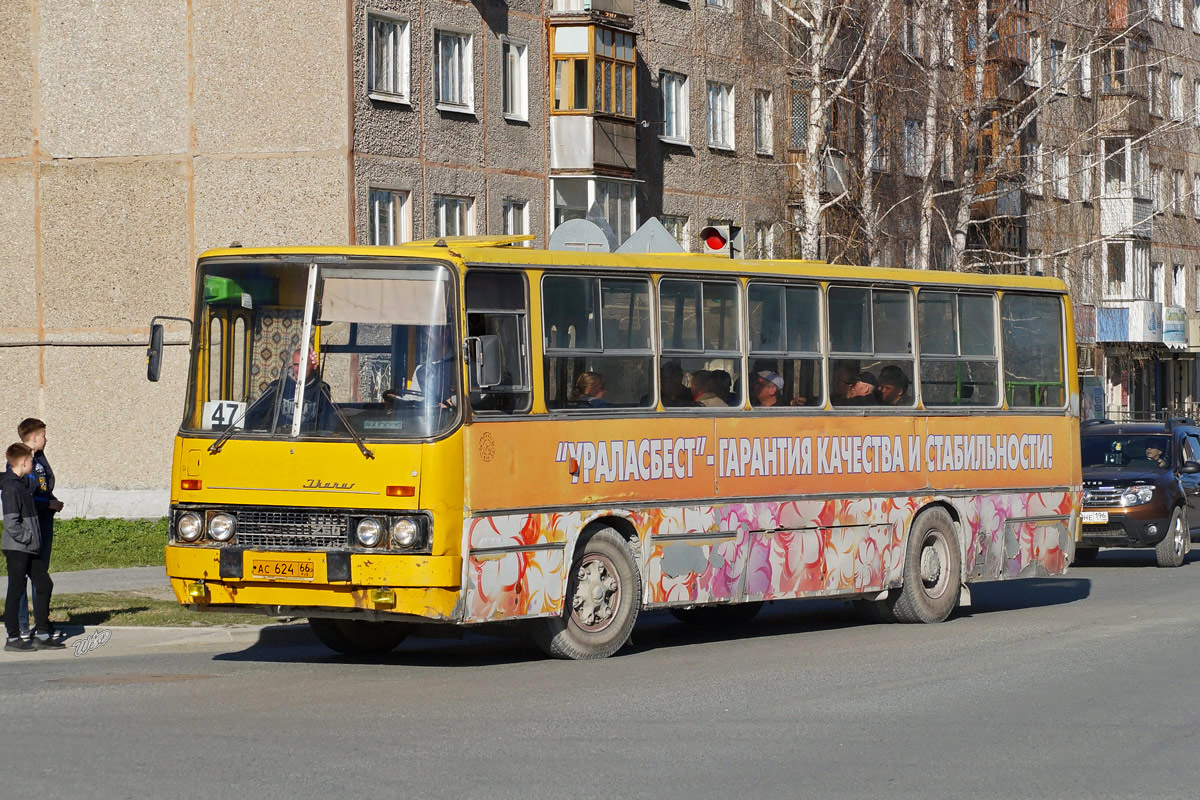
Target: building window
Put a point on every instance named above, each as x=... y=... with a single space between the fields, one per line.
x=516 y=218
x=572 y=69
x=614 y=72
x=910 y=31
x=1058 y=71
x=720 y=115
x=1035 y=169
x=1175 y=97
x=1179 y=192
x=1158 y=189
x=914 y=148
x=1196 y=195
x=1196 y=97
x=1178 y=286
x=617 y=199
x=1112 y=69
x=1196 y=287
x=387 y=58
x=1086 y=174
x=1154 y=90
x=764 y=7
x=515 y=76
x=1062 y=171
x=799 y=118
x=1033 y=73
x=452 y=215
x=878 y=150
x=389 y=217
x=947 y=169
x=1158 y=279
x=678 y=227
x=674 y=89
x=717 y=3
x=763 y=123
x=764 y=240
x=1087 y=290
x=1085 y=70
x=1177 y=13
x=1196 y=16
x=1156 y=8
x=453 y=81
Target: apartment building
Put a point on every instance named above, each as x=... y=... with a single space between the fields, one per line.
x=135 y=134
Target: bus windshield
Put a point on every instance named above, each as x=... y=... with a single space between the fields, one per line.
x=380 y=361
x=1132 y=452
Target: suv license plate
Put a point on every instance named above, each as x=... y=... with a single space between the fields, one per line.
x=1095 y=516
x=283 y=570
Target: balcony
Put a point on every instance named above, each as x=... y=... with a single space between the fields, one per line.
x=1126 y=217
x=1002 y=84
x=1123 y=112
x=1130 y=321
x=583 y=143
x=598 y=8
x=1126 y=16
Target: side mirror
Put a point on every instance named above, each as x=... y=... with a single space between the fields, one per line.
x=1190 y=467
x=154 y=351
x=484 y=354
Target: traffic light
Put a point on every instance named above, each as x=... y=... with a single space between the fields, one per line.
x=722 y=240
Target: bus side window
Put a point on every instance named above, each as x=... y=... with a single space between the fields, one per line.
x=870 y=347
x=958 y=349
x=1032 y=341
x=597 y=342
x=497 y=306
x=785 y=340
x=701 y=363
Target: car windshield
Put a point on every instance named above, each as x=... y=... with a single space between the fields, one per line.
x=380 y=362
x=1127 y=452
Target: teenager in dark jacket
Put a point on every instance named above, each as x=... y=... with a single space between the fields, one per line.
x=22 y=545
x=33 y=435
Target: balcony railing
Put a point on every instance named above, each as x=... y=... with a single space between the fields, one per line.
x=1126 y=217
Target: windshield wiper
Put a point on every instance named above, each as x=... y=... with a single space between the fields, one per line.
x=216 y=446
x=346 y=423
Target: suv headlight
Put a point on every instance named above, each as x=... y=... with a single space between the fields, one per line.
x=1137 y=495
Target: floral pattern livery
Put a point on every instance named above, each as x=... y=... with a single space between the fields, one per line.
x=517 y=564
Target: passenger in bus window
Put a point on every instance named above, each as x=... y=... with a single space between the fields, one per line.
x=893 y=387
x=702 y=390
x=722 y=386
x=589 y=391
x=674 y=393
x=862 y=391
x=765 y=388
x=278 y=399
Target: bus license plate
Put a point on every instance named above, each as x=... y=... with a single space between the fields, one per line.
x=283 y=570
x=1095 y=516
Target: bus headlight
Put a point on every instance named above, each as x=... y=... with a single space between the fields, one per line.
x=188 y=527
x=221 y=527
x=369 y=532
x=406 y=534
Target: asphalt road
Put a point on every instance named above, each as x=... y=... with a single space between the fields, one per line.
x=1079 y=686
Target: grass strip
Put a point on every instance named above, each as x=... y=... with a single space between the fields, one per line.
x=144 y=608
x=105 y=543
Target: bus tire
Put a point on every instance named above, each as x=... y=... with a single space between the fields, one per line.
x=717 y=615
x=604 y=595
x=355 y=637
x=1171 y=551
x=1086 y=553
x=932 y=569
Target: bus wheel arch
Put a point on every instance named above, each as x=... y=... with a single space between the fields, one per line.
x=602 y=599
x=932 y=568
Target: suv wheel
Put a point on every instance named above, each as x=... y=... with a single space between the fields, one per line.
x=1174 y=546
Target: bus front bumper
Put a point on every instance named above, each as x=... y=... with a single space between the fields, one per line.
x=257 y=580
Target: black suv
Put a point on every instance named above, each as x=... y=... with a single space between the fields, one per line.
x=1141 y=487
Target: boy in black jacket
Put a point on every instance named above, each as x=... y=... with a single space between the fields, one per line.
x=32 y=432
x=22 y=544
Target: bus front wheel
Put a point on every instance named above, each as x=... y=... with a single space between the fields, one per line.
x=354 y=637
x=604 y=595
x=932 y=569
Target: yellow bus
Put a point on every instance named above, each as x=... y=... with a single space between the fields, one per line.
x=465 y=432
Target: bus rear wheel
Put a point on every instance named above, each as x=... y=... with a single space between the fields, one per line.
x=355 y=637
x=604 y=595
x=932 y=569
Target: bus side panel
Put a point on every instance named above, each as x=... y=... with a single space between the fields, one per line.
x=699 y=555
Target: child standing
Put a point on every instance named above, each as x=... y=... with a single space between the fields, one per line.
x=22 y=544
x=33 y=435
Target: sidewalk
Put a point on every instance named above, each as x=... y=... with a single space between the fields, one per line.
x=130 y=578
x=103 y=580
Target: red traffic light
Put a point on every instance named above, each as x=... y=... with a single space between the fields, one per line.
x=714 y=238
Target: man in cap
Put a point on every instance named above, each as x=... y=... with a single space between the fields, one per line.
x=765 y=388
x=862 y=391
